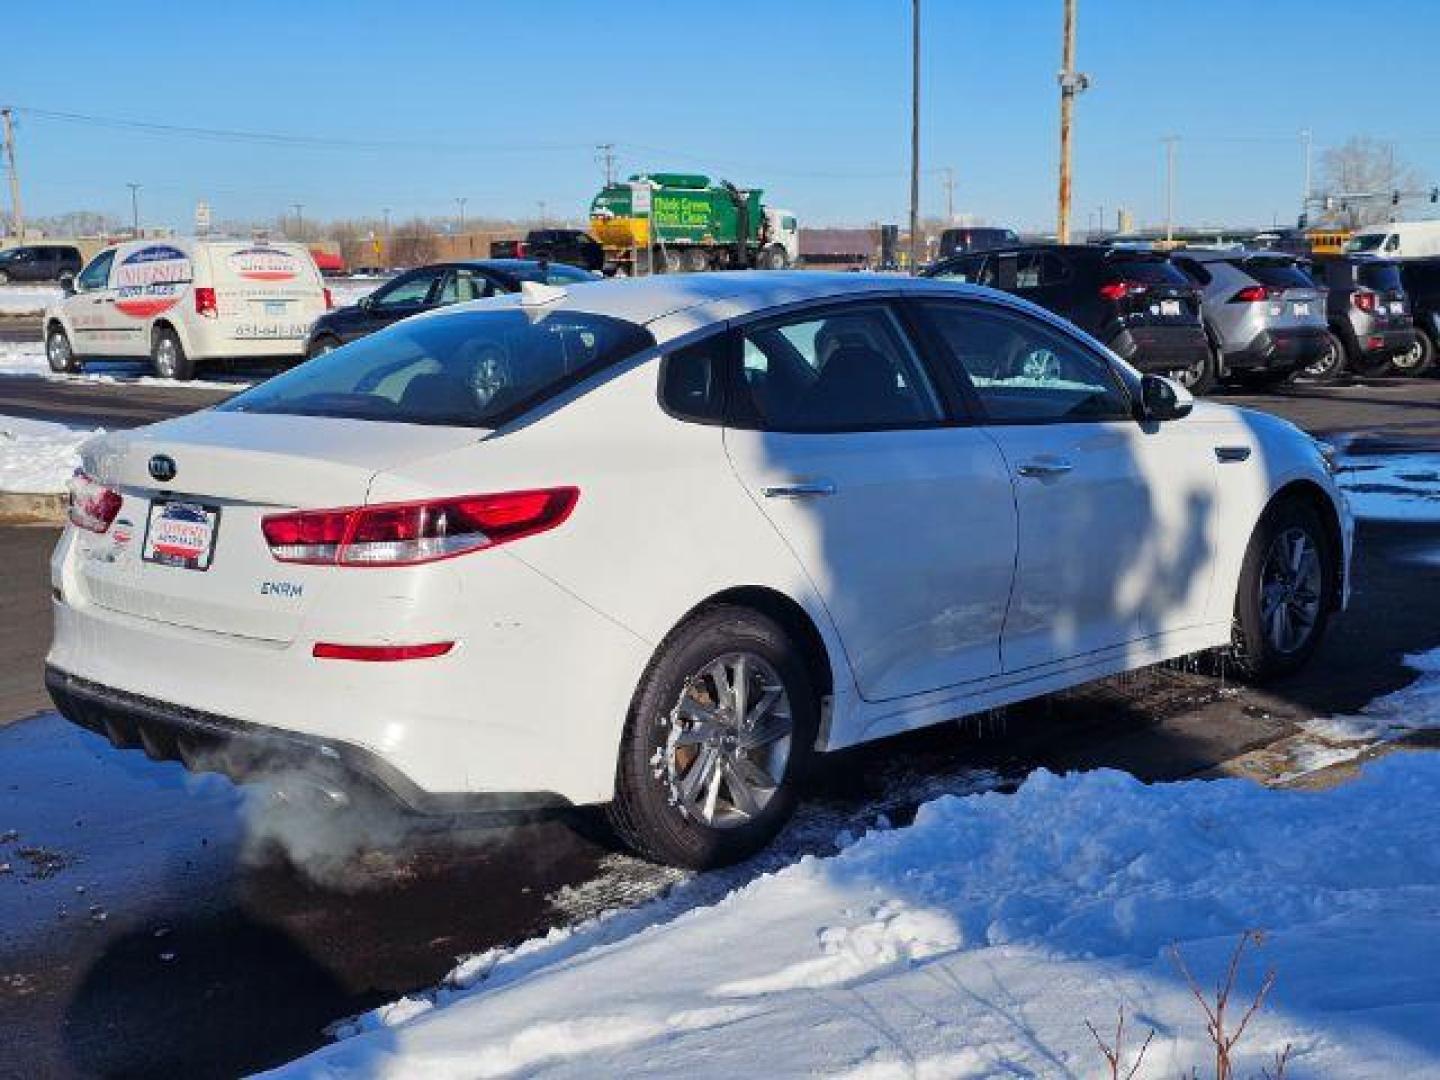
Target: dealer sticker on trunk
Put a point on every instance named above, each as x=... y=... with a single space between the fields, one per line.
x=181 y=534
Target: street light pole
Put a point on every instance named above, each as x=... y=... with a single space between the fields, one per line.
x=1170 y=141
x=134 y=209
x=461 y=203
x=914 y=135
x=299 y=221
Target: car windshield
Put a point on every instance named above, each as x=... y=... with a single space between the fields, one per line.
x=470 y=369
x=1365 y=242
x=1277 y=273
x=555 y=275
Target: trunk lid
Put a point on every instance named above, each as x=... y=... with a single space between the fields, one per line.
x=230 y=470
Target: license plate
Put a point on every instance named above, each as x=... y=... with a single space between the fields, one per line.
x=1397 y=307
x=274 y=307
x=1302 y=309
x=181 y=534
x=1169 y=307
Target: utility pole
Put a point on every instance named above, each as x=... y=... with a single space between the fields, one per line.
x=17 y=216
x=1170 y=141
x=460 y=202
x=1072 y=83
x=299 y=209
x=1305 y=142
x=1102 y=219
x=541 y=204
x=134 y=210
x=606 y=153
x=914 y=136
x=949 y=183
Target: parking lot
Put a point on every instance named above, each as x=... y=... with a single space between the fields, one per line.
x=148 y=933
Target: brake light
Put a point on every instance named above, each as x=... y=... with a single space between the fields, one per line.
x=325 y=650
x=1364 y=299
x=329 y=298
x=205 y=303
x=402 y=534
x=1251 y=294
x=1118 y=290
x=92 y=505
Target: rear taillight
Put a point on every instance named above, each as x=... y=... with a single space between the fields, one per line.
x=92 y=505
x=1252 y=294
x=1118 y=290
x=402 y=534
x=326 y=650
x=329 y=299
x=1363 y=299
x=205 y=303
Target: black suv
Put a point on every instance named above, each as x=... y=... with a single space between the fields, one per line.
x=959 y=241
x=39 y=262
x=1421 y=278
x=430 y=287
x=1368 y=317
x=1134 y=301
x=573 y=246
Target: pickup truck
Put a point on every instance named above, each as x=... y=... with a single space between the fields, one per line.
x=573 y=246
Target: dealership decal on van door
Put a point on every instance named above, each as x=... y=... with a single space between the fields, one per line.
x=151 y=280
x=264 y=264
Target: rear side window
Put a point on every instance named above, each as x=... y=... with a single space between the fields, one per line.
x=1276 y=273
x=692 y=380
x=1195 y=271
x=470 y=369
x=847 y=370
x=1384 y=277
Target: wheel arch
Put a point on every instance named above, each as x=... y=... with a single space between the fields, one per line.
x=1317 y=498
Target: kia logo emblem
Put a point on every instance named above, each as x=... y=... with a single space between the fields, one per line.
x=162 y=468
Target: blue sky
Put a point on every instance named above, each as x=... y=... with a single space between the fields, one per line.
x=502 y=103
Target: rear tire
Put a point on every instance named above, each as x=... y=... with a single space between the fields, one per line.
x=1199 y=378
x=1286 y=592
x=4 y=278
x=168 y=359
x=694 y=786
x=1330 y=367
x=59 y=354
x=774 y=258
x=665 y=260
x=1418 y=359
x=694 y=261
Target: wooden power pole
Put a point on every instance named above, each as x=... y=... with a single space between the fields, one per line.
x=17 y=216
x=1072 y=83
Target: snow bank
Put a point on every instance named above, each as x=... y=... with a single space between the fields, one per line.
x=27 y=358
x=978 y=941
x=1393 y=487
x=38 y=457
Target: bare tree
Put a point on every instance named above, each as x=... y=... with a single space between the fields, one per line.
x=413 y=243
x=1360 y=176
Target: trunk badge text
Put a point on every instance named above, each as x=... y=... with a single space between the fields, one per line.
x=162 y=468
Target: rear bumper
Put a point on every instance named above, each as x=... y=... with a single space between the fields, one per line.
x=205 y=742
x=1161 y=348
x=1279 y=350
x=1385 y=342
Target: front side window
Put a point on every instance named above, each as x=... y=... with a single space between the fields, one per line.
x=409 y=291
x=1023 y=371
x=1369 y=242
x=465 y=369
x=97 y=274
x=847 y=370
x=462 y=284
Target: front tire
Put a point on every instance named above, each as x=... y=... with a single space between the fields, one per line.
x=59 y=354
x=4 y=278
x=721 y=727
x=774 y=258
x=1286 y=593
x=168 y=359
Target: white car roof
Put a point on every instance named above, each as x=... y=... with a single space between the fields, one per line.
x=672 y=304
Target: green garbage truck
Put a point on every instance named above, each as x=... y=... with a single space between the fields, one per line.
x=673 y=222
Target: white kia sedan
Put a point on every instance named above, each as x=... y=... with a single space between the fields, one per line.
x=654 y=543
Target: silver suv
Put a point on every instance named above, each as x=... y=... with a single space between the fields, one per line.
x=1264 y=316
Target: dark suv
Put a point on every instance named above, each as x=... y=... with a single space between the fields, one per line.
x=1134 y=301
x=1421 y=278
x=39 y=262
x=959 y=241
x=1368 y=317
x=573 y=246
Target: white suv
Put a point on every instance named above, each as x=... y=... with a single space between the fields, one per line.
x=183 y=301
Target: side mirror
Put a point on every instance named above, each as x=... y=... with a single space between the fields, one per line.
x=67 y=283
x=1163 y=399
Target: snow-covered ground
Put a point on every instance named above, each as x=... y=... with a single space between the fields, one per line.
x=37 y=457
x=1393 y=487
x=978 y=941
x=28 y=358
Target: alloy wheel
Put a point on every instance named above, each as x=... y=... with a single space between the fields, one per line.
x=166 y=359
x=57 y=351
x=1290 y=590
x=729 y=741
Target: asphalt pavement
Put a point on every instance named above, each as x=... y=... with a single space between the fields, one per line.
x=153 y=939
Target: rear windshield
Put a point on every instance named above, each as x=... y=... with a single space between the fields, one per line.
x=464 y=369
x=1277 y=273
x=1151 y=271
x=554 y=274
x=1384 y=277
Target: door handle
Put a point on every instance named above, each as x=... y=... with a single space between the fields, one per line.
x=809 y=489
x=1045 y=468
